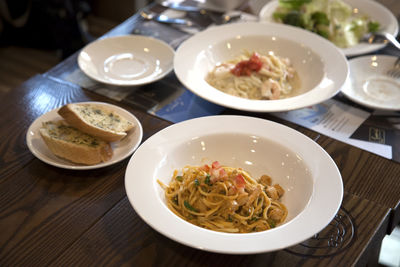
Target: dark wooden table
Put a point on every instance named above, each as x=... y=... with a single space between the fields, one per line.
x=53 y=216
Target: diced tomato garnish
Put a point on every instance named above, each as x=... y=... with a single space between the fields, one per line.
x=245 y=67
x=240 y=182
x=205 y=168
x=217 y=172
x=215 y=165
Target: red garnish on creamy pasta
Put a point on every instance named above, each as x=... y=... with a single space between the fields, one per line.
x=246 y=67
x=255 y=76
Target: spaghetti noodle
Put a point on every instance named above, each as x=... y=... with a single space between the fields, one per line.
x=225 y=199
x=255 y=76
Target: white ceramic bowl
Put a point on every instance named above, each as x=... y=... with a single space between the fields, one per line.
x=372 y=9
x=370 y=85
x=127 y=60
x=309 y=176
x=322 y=67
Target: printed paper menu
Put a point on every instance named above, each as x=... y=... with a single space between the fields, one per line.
x=339 y=121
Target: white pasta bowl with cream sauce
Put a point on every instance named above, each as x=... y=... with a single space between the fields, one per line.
x=321 y=67
x=311 y=180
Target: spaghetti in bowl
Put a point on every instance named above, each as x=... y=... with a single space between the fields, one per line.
x=320 y=66
x=303 y=170
x=225 y=199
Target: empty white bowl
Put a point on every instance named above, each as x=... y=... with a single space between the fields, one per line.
x=127 y=60
x=312 y=182
x=370 y=84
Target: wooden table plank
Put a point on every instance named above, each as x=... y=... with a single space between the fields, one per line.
x=44 y=209
x=139 y=245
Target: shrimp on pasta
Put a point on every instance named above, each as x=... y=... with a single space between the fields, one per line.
x=225 y=199
x=255 y=76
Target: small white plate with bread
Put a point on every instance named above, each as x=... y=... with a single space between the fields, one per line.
x=84 y=135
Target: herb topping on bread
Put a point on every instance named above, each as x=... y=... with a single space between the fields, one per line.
x=96 y=120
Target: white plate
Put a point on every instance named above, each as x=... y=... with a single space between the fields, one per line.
x=372 y=9
x=308 y=52
x=126 y=60
x=121 y=149
x=369 y=84
x=313 y=184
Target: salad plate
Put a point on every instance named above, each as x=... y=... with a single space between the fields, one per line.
x=372 y=9
x=127 y=60
x=121 y=149
x=370 y=85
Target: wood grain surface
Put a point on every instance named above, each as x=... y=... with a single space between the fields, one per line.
x=141 y=245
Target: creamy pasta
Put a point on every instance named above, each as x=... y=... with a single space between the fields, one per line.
x=225 y=199
x=255 y=76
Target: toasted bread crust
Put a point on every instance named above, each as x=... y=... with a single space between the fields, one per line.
x=115 y=130
x=72 y=151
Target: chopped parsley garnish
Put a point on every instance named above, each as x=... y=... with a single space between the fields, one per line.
x=253 y=219
x=271 y=223
x=179 y=178
x=94 y=143
x=189 y=207
x=207 y=181
x=196 y=182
